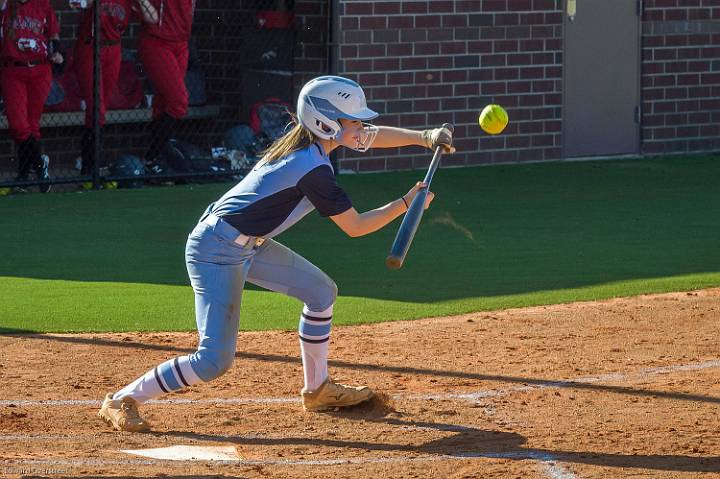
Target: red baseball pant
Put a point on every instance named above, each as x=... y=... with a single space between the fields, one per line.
x=109 y=72
x=166 y=64
x=24 y=91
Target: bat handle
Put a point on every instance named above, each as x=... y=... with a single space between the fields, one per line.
x=436 y=158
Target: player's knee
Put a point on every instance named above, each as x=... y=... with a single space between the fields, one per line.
x=318 y=294
x=210 y=364
x=327 y=294
x=333 y=291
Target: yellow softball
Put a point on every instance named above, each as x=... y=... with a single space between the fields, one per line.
x=493 y=119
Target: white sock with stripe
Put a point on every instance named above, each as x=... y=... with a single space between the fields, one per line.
x=314 y=333
x=169 y=376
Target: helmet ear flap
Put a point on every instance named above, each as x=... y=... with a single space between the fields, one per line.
x=325 y=128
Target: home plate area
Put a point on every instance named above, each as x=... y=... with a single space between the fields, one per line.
x=188 y=453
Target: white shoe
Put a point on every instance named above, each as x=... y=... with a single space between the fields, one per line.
x=122 y=414
x=331 y=394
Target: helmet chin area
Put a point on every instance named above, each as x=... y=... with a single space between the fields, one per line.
x=364 y=139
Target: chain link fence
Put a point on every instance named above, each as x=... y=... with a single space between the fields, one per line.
x=171 y=91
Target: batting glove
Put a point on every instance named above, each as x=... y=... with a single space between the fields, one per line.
x=438 y=137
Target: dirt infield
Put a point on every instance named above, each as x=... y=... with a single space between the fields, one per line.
x=620 y=388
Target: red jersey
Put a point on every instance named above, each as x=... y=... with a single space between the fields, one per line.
x=174 y=20
x=26 y=29
x=114 y=19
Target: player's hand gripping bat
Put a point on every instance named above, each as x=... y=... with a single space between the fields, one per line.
x=412 y=218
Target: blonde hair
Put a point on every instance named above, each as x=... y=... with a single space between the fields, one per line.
x=296 y=139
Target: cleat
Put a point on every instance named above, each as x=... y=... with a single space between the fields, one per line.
x=42 y=170
x=331 y=394
x=154 y=168
x=19 y=190
x=122 y=414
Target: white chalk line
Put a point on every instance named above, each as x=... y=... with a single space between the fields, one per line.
x=95 y=402
x=91 y=461
x=114 y=437
x=569 y=383
x=555 y=471
x=44 y=437
x=473 y=396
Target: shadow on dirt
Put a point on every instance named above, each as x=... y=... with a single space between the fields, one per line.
x=526 y=381
x=469 y=442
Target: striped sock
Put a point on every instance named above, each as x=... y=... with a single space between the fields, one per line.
x=171 y=375
x=314 y=333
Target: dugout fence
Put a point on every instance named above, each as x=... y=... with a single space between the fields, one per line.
x=237 y=86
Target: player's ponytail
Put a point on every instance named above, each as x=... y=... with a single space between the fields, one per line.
x=295 y=139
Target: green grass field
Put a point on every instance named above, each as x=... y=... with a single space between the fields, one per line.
x=495 y=237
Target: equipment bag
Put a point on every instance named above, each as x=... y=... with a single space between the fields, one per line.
x=127 y=165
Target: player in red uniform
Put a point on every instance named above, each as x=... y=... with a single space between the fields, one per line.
x=114 y=19
x=29 y=36
x=163 y=50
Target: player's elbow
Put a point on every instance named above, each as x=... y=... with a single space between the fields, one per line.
x=355 y=233
x=350 y=222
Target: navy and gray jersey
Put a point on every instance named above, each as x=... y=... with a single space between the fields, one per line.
x=275 y=196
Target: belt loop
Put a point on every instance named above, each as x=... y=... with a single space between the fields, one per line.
x=252 y=241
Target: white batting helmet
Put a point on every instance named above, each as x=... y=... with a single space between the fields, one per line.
x=326 y=99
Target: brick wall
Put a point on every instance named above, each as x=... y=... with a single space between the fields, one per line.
x=681 y=76
x=423 y=63
x=426 y=62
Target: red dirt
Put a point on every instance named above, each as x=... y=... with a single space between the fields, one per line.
x=640 y=422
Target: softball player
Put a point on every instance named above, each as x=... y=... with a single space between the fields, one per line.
x=114 y=19
x=233 y=243
x=29 y=36
x=163 y=50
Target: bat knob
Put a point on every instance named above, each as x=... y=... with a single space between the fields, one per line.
x=393 y=263
x=449 y=127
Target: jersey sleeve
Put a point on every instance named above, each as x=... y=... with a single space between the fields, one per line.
x=321 y=188
x=53 y=29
